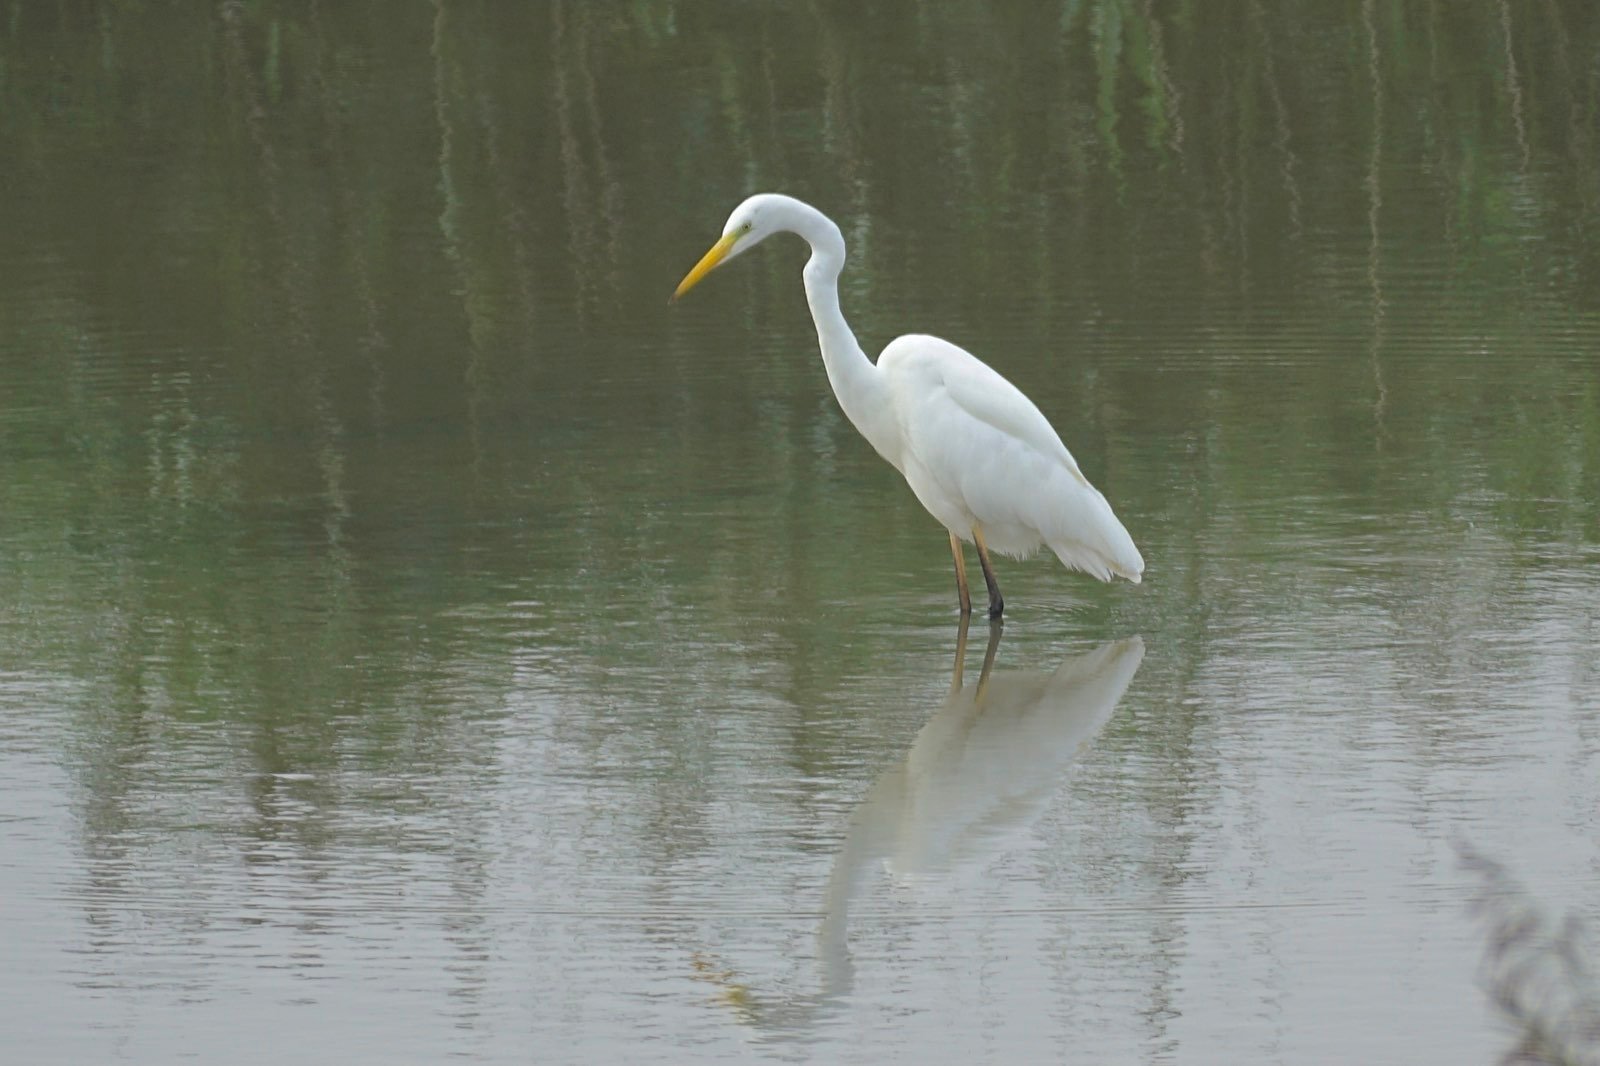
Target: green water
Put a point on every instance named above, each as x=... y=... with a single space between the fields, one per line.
x=419 y=640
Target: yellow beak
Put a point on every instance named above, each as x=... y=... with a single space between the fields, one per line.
x=707 y=264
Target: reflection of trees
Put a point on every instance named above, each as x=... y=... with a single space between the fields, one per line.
x=1116 y=144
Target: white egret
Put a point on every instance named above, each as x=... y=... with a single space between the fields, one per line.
x=976 y=452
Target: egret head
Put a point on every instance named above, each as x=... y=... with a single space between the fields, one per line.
x=752 y=222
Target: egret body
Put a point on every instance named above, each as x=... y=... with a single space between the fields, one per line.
x=976 y=452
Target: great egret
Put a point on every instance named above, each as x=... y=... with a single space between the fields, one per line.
x=976 y=451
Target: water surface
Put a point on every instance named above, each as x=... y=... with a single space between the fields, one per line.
x=418 y=641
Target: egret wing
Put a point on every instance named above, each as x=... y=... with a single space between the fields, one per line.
x=979 y=450
x=979 y=391
x=958 y=412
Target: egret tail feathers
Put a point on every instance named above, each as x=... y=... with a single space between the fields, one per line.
x=1096 y=542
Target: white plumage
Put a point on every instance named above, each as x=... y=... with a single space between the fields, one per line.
x=978 y=454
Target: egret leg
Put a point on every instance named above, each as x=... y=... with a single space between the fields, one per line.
x=958 y=672
x=997 y=602
x=995 y=627
x=961 y=578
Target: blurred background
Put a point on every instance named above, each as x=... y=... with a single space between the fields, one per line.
x=417 y=639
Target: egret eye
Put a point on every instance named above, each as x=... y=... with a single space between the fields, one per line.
x=747 y=227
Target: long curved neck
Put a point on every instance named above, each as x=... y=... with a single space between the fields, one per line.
x=857 y=383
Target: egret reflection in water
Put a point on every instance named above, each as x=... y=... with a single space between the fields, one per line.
x=976 y=778
x=987 y=762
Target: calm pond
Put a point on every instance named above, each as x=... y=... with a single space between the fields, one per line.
x=418 y=641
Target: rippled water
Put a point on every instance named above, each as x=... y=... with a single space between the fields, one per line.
x=417 y=641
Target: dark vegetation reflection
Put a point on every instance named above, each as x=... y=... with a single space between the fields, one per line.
x=1539 y=970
